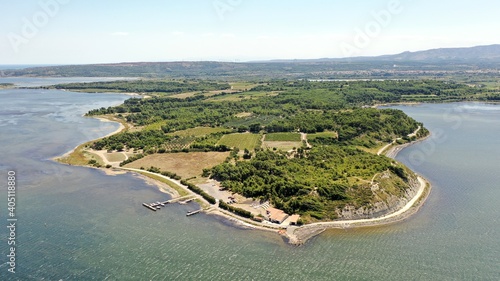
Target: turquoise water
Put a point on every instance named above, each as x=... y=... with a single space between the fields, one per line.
x=77 y=223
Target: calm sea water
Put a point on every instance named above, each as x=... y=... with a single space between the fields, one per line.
x=37 y=82
x=77 y=223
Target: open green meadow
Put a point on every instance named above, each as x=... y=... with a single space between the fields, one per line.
x=242 y=141
x=282 y=145
x=283 y=137
x=322 y=135
x=243 y=96
x=199 y=131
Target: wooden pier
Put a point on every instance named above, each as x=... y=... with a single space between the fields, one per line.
x=149 y=207
x=193 y=212
x=157 y=205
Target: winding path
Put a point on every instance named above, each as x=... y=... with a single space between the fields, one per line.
x=303 y=137
x=414 y=134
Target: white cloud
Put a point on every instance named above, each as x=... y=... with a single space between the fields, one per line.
x=177 y=33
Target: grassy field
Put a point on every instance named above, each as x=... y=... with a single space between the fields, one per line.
x=241 y=141
x=198 y=132
x=282 y=145
x=185 y=95
x=419 y=97
x=242 y=96
x=77 y=157
x=180 y=190
x=155 y=126
x=186 y=165
x=247 y=121
x=206 y=94
x=243 y=86
x=115 y=157
x=283 y=137
x=322 y=134
x=244 y=114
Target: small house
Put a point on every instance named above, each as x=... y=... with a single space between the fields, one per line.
x=294 y=219
x=276 y=215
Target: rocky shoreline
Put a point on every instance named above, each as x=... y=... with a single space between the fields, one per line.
x=300 y=235
x=396 y=210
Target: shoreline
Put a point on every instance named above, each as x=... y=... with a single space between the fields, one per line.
x=300 y=235
x=120 y=128
x=294 y=235
x=392 y=150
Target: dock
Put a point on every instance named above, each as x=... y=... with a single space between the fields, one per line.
x=149 y=207
x=186 y=201
x=193 y=212
x=157 y=205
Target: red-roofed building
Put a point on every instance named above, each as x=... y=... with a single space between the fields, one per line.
x=276 y=215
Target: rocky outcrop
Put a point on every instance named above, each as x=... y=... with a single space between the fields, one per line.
x=381 y=208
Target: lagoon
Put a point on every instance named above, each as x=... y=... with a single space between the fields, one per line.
x=78 y=223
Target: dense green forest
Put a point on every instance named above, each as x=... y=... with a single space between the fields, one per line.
x=146 y=86
x=316 y=181
x=361 y=68
x=303 y=106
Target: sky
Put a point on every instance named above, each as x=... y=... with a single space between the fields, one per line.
x=112 y=31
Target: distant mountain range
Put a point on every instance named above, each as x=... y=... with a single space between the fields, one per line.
x=407 y=65
x=490 y=52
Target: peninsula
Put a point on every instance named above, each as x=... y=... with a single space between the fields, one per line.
x=294 y=157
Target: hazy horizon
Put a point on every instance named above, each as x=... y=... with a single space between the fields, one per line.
x=61 y=32
x=21 y=66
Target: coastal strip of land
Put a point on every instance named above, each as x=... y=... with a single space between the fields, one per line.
x=73 y=155
x=301 y=234
x=295 y=235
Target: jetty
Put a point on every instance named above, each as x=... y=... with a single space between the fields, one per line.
x=186 y=201
x=157 y=205
x=193 y=212
x=149 y=206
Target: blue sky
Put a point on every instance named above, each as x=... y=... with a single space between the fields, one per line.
x=108 y=31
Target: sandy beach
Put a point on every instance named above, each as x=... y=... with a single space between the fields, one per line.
x=102 y=119
x=118 y=130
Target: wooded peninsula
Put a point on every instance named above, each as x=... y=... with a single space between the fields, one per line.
x=305 y=147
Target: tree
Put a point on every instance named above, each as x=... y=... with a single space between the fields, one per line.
x=255 y=128
x=242 y=129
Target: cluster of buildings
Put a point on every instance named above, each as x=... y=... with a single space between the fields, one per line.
x=278 y=216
